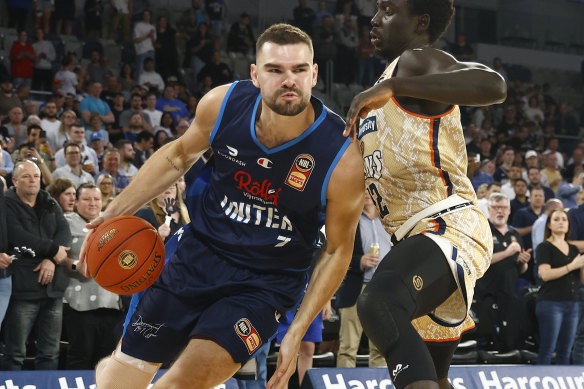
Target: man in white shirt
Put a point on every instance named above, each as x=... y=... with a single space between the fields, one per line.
x=50 y=123
x=149 y=78
x=73 y=169
x=154 y=114
x=127 y=155
x=76 y=135
x=45 y=55
x=144 y=39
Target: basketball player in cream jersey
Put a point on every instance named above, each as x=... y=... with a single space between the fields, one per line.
x=415 y=307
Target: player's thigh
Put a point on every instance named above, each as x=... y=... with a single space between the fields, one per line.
x=203 y=364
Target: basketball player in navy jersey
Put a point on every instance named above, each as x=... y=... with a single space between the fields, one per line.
x=415 y=307
x=280 y=169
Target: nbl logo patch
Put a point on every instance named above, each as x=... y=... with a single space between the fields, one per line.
x=300 y=172
x=248 y=334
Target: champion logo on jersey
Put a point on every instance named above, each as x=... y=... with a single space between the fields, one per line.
x=248 y=334
x=300 y=172
x=264 y=162
x=232 y=151
x=367 y=126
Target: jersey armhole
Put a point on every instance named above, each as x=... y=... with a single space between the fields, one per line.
x=221 y=112
x=330 y=172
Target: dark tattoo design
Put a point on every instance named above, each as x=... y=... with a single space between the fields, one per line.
x=172 y=164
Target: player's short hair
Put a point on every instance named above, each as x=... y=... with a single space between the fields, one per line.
x=284 y=34
x=440 y=12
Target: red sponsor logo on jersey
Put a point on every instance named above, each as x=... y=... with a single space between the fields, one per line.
x=255 y=188
x=248 y=335
x=300 y=172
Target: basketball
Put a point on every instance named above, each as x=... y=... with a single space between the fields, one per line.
x=125 y=255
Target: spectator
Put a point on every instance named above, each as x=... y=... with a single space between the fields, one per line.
x=135 y=108
x=551 y=171
x=199 y=49
x=161 y=138
x=462 y=50
x=216 y=10
x=144 y=40
x=553 y=145
x=95 y=69
x=5 y=259
x=575 y=165
x=506 y=161
x=498 y=67
x=96 y=142
x=169 y=103
x=525 y=217
x=88 y=157
x=167 y=212
x=484 y=174
x=497 y=286
x=57 y=139
x=538 y=230
x=33 y=141
x=371 y=245
x=18 y=13
x=105 y=183
x=325 y=44
x=45 y=55
x=111 y=166
x=560 y=268
x=564 y=123
x=183 y=126
x=534 y=179
x=219 y=72
x=93 y=10
x=64 y=11
x=50 y=123
x=93 y=313
x=150 y=78
x=122 y=10
x=190 y=20
x=67 y=77
x=40 y=231
x=533 y=112
x=154 y=114
x=22 y=59
x=321 y=13
x=127 y=78
x=508 y=188
x=118 y=106
x=127 y=155
x=92 y=103
x=6 y=167
x=73 y=170
x=520 y=200
x=166 y=52
x=62 y=190
x=95 y=126
x=241 y=39
x=304 y=17
x=192 y=104
x=8 y=99
x=111 y=87
x=14 y=129
x=143 y=148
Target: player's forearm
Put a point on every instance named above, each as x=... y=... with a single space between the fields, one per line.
x=159 y=171
x=474 y=87
x=326 y=278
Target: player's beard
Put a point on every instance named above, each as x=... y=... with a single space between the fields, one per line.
x=287 y=108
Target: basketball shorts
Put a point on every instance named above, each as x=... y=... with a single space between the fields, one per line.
x=313 y=334
x=200 y=294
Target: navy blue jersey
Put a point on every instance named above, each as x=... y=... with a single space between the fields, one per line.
x=262 y=207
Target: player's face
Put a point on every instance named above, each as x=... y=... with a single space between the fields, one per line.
x=286 y=75
x=89 y=203
x=393 y=28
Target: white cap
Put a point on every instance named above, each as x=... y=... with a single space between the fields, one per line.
x=530 y=153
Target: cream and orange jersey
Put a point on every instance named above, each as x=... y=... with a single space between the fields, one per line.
x=412 y=160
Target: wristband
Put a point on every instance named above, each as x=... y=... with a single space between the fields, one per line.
x=74 y=265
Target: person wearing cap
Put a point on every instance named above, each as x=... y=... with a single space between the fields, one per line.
x=485 y=174
x=73 y=169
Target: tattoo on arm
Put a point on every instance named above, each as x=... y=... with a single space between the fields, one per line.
x=172 y=164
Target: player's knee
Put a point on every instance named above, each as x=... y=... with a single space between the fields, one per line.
x=120 y=371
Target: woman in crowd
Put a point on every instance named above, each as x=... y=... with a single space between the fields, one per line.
x=560 y=268
x=63 y=190
x=92 y=315
x=166 y=212
x=166 y=124
x=127 y=76
x=105 y=183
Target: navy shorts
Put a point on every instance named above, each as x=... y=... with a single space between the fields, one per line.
x=313 y=334
x=200 y=294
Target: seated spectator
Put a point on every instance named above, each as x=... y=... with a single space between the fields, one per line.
x=143 y=147
x=97 y=144
x=73 y=170
x=551 y=171
x=63 y=191
x=67 y=76
x=111 y=166
x=507 y=158
x=119 y=106
x=95 y=69
x=564 y=122
x=169 y=103
x=462 y=50
x=96 y=126
x=575 y=164
x=534 y=179
x=14 y=128
x=241 y=39
x=93 y=103
x=135 y=108
x=553 y=146
x=50 y=123
x=93 y=313
x=127 y=155
x=57 y=139
x=183 y=126
x=560 y=268
x=484 y=174
x=568 y=191
x=219 y=72
x=105 y=183
x=521 y=200
x=151 y=111
x=167 y=212
x=508 y=188
x=6 y=163
x=88 y=157
x=38 y=276
x=497 y=286
x=127 y=78
x=150 y=78
x=161 y=138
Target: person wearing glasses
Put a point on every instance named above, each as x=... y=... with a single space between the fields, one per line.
x=73 y=168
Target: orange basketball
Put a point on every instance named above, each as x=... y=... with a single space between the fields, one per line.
x=125 y=255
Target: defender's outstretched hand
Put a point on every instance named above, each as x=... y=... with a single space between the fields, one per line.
x=375 y=97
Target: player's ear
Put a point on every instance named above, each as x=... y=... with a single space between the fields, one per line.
x=253 y=71
x=423 y=23
x=314 y=75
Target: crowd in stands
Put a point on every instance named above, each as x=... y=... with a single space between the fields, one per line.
x=92 y=129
